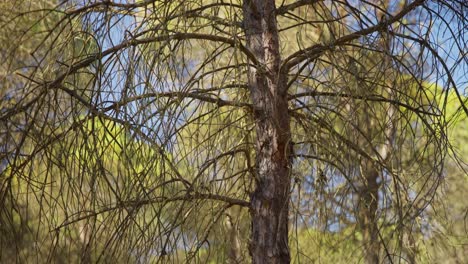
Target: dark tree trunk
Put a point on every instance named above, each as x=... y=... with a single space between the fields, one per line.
x=369 y=193
x=369 y=197
x=270 y=200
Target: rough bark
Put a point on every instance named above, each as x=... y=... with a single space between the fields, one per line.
x=270 y=199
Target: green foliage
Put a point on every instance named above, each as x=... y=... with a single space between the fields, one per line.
x=133 y=134
x=448 y=239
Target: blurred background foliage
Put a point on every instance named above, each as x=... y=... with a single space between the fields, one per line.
x=82 y=186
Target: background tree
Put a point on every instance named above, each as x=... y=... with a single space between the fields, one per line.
x=25 y=51
x=151 y=129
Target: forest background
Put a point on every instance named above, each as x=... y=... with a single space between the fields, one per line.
x=214 y=131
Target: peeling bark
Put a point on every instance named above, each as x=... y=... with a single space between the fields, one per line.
x=268 y=89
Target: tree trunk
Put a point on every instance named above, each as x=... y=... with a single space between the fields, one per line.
x=369 y=197
x=268 y=89
x=86 y=240
x=234 y=250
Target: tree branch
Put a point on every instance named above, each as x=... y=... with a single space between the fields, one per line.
x=316 y=50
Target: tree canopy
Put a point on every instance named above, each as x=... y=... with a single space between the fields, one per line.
x=214 y=131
